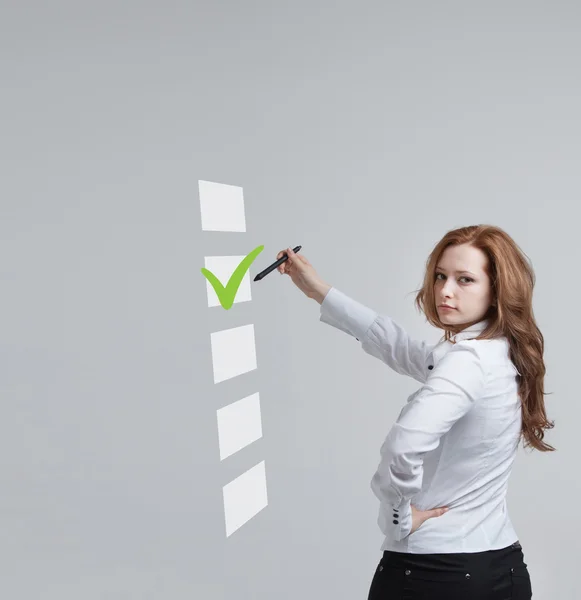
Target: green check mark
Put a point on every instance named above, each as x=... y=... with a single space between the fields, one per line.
x=227 y=294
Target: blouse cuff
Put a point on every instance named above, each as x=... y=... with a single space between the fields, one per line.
x=401 y=520
x=395 y=520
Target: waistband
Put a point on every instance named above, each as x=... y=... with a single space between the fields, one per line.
x=511 y=556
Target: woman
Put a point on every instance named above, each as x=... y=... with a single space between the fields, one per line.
x=445 y=464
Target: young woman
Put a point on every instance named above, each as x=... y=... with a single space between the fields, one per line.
x=451 y=450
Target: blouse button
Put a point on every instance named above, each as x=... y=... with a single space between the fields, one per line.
x=395 y=522
x=408 y=572
x=467 y=575
x=430 y=367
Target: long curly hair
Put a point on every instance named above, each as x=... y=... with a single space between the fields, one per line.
x=510 y=315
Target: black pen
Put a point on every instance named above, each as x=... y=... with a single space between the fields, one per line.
x=273 y=266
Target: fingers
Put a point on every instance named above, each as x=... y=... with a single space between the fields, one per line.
x=302 y=259
x=424 y=515
x=280 y=268
x=288 y=264
x=294 y=260
x=285 y=267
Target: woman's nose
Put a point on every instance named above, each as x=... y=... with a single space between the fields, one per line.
x=447 y=290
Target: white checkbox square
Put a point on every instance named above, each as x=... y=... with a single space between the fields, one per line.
x=239 y=424
x=223 y=267
x=245 y=497
x=221 y=206
x=233 y=352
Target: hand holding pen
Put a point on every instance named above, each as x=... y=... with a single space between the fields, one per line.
x=301 y=272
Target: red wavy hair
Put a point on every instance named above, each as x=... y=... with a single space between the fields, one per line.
x=512 y=279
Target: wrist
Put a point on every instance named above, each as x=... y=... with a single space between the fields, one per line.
x=321 y=291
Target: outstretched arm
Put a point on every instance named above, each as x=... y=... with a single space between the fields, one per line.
x=380 y=335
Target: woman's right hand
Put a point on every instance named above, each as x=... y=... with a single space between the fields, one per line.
x=303 y=275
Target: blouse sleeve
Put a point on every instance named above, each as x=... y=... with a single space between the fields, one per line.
x=447 y=395
x=380 y=335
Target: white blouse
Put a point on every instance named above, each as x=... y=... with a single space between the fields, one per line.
x=455 y=439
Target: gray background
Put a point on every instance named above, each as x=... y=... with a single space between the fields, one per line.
x=364 y=132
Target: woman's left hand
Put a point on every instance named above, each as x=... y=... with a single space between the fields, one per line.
x=419 y=516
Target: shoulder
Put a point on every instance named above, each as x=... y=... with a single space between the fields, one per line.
x=473 y=346
x=488 y=353
x=465 y=366
x=469 y=354
x=484 y=348
x=464 y=352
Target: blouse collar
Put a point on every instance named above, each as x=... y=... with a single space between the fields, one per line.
x=470 y=332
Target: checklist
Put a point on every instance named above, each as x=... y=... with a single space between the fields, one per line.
x=227 y=283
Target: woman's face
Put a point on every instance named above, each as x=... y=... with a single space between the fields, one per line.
x=462 y=283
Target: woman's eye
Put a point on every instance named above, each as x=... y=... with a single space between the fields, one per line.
x=466 y=278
